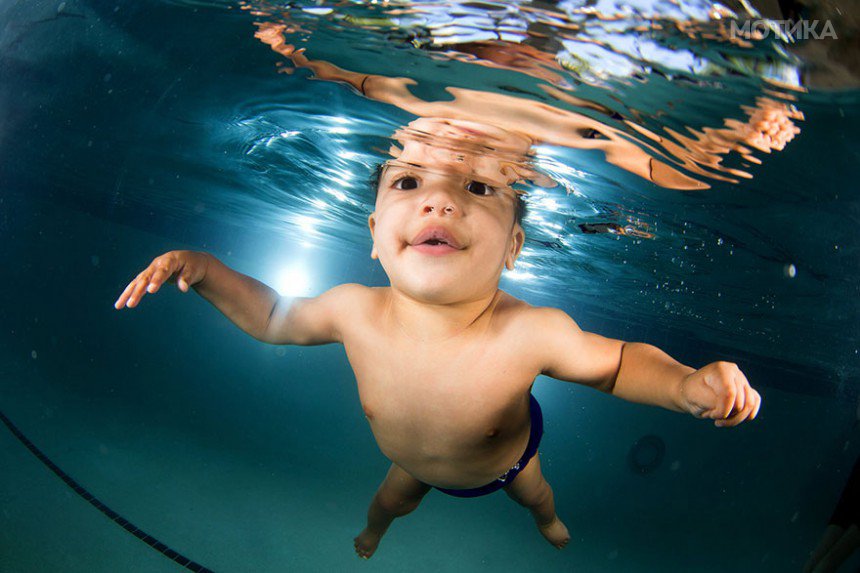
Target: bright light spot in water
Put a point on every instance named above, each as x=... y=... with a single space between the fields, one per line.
x=306 y=224
x=553 y=167
x=549 y=204
x=342 y=176
x=347 y=155
x=293 y=281
x=544 y=150
x=338 y=130
x=519 y=275
x=336 y=193
x=337 y=119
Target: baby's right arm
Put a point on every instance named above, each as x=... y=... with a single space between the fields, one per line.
x=251 y=305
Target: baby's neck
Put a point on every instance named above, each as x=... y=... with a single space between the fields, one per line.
x=428 y=322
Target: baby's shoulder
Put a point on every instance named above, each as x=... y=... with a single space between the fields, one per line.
x=515 y=314
x=511 y=311
x=357 y=301
x=354 y=294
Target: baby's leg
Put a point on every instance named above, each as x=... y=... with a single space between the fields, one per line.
x=841 y=550
x=828 y=540
x=532 y=491
x=399 y=494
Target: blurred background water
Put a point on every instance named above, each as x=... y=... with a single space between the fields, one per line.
x=128 y=129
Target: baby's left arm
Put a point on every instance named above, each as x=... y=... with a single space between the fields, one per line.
x=640 y=372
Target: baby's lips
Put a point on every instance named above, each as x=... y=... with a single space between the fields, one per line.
x=436 y=232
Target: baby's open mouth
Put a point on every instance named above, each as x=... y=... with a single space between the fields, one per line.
x=436 y=241
x=435 y=248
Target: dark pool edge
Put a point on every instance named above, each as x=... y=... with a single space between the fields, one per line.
x=111 y=514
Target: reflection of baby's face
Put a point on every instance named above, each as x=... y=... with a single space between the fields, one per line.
x=444 y=225
x=483 y=152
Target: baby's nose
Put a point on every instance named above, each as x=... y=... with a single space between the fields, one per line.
x=440 y=201
x=447 y=209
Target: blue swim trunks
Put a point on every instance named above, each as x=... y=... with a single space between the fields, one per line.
x=508 y=476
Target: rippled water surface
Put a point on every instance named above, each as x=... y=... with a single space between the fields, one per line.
x=685 y=185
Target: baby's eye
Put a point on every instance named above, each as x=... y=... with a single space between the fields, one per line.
x=479 y=188
x=406 y=183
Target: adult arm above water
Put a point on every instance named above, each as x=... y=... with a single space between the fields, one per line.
x=648 y=154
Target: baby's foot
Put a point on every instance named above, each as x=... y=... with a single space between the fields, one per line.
x=366 y=542
x=555 y=532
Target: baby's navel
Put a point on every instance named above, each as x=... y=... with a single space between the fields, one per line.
x=493 y=432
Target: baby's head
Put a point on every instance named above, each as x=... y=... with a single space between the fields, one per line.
x=447 y=221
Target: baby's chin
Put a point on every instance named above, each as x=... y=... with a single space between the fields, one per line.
x=436 y=289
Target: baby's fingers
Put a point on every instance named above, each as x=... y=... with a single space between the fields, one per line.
x=757 y=405
x=123 y=298
x=747 y=412
x=126 y=294
x=138 y=291
x=160 y=275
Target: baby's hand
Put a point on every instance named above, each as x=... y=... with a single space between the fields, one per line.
x=186 y=268
x=720 y=390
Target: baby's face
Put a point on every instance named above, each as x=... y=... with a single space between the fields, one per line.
x=444 y=225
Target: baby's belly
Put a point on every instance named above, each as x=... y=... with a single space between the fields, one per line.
x=451 y=457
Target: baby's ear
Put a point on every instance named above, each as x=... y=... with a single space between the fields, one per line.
x=517 y=240
x=371 y=223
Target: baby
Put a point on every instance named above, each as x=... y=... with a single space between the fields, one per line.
x=445 y=360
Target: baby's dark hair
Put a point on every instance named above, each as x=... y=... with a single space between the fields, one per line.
x=519 y=210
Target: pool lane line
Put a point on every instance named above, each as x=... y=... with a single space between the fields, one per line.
x=111 y=514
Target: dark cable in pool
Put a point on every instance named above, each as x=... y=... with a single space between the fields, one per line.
x=112 y=515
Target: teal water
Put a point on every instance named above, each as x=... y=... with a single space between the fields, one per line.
x=130 y=129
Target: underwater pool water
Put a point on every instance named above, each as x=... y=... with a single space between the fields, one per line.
x=686 y=186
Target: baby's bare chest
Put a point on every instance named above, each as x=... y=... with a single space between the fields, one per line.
x=467 y=391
